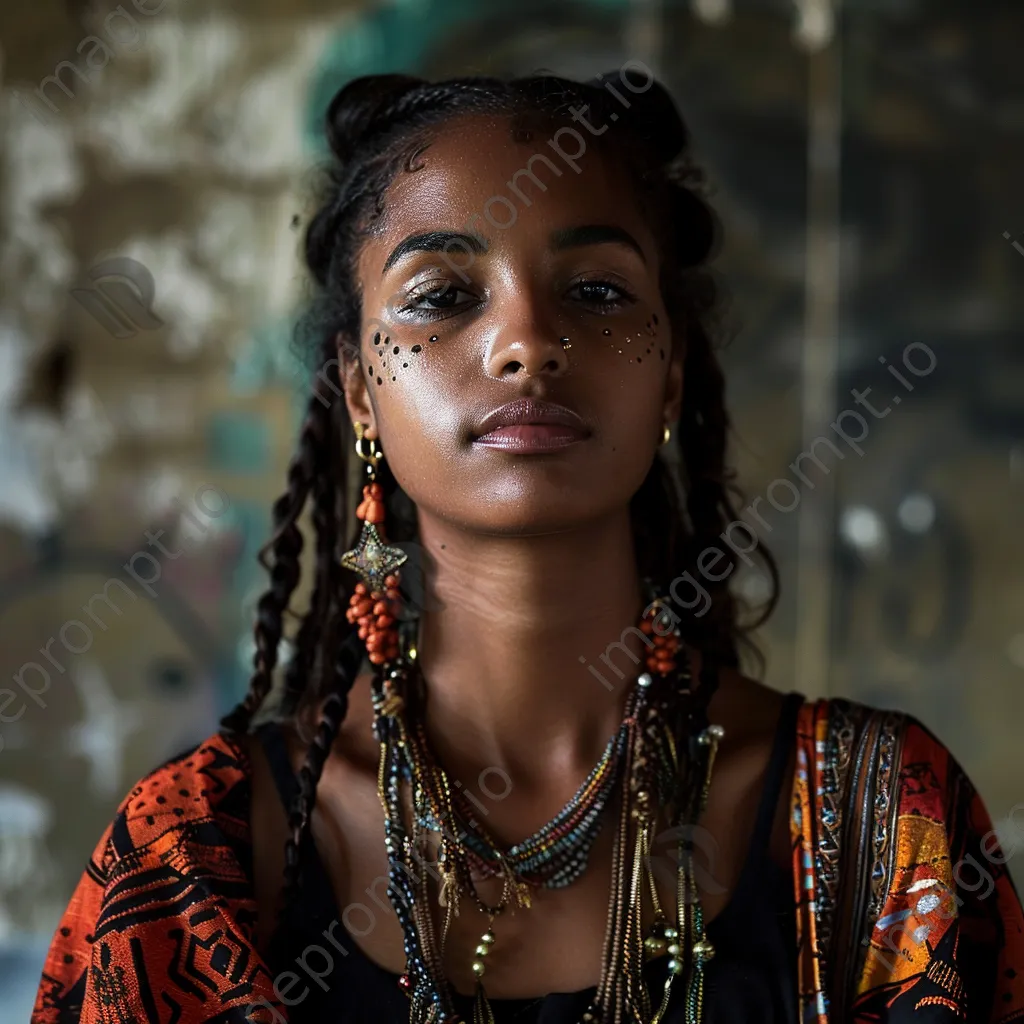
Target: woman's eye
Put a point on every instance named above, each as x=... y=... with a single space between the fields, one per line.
x=602 y=293
x=441 y=297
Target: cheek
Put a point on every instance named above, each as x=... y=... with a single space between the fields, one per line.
x=633 y=358
x=630 y=359
x=635 y=341
x=417 y=401
x=389 y=355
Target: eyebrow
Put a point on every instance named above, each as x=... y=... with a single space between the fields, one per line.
x=434 y=241
x=595 y=234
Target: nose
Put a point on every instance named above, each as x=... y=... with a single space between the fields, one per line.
x=528 y=346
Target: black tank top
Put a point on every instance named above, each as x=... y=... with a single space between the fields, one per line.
x=752 y=978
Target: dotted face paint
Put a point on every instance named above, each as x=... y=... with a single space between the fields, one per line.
x=383 y=342
x=649 y=329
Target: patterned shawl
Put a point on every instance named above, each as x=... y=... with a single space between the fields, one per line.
x=905 y=910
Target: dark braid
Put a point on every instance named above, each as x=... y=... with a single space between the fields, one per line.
x=325 y=519
x=286 y=547
x=375 y=125
x=332 y=714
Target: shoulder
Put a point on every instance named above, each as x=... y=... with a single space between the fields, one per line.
x=175 y=859
x=209 y=784
x=886 y=820
x=845 y=733
x=878 y=796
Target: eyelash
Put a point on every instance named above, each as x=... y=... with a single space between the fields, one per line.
x=625 y=296
x=426 y=313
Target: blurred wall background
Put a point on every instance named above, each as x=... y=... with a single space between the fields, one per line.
x=155 y=173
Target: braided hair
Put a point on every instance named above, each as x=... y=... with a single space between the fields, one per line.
x=375 y=126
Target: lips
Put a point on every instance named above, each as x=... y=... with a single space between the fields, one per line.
x=530 y=425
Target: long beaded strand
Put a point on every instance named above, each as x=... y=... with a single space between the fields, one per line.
x=650 y=773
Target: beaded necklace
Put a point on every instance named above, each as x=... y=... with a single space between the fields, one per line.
x=660 y=759
x=557 y=853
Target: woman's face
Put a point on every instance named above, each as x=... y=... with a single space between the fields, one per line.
x=461 y=317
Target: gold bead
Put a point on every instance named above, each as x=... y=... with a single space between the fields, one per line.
x=674 y=967
x=482 y=950
x=487 y=937
x=674 y=949
x=703 y=950
x=478 y=968
x=654 y=946
x=671 y=933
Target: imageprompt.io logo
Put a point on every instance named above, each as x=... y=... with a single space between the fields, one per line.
x=121 y=300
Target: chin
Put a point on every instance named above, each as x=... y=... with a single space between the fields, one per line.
x=525 y=508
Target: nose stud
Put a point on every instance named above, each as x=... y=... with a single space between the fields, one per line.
x=564 y=343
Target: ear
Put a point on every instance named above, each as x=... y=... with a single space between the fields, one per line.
x=353 y=380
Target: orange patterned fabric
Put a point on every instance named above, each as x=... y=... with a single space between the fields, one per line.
x=161 y=925
x=944 y=938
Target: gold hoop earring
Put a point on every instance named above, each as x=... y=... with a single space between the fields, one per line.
x=374 y=455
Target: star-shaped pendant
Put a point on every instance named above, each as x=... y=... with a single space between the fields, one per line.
x=372 y=558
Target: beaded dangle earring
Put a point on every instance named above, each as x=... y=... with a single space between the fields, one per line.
x=374 y=603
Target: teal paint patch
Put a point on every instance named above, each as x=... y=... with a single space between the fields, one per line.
x=268 y=357
x=238 y=442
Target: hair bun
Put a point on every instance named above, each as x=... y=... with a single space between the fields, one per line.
x=652 y=112
x=363 y=105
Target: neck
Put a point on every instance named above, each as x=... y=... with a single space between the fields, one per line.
x=528 y=646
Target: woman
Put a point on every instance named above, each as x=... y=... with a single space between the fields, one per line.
x=512 y=771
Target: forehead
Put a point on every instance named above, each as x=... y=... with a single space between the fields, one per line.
x=482 y=171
